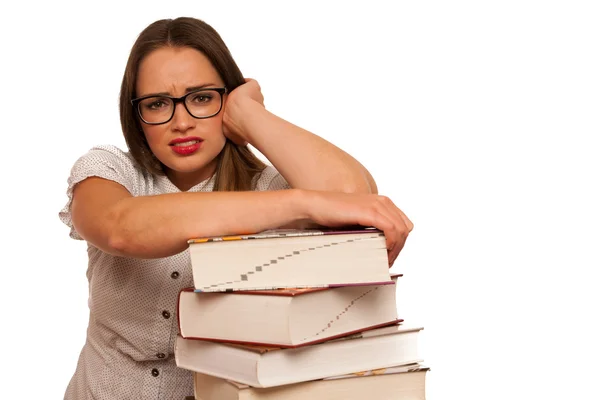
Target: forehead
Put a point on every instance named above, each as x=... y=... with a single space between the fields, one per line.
x=172 y=70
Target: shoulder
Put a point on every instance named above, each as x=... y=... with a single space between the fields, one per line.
x=108 y=162
x=108 y=154
x=270 y=179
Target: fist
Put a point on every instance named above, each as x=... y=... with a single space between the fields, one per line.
x=250 y=89
x=235 y=104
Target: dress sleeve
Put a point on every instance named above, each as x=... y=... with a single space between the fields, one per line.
x=106 y=162
x=271 y=179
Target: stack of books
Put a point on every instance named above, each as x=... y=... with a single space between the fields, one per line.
x=296 y=314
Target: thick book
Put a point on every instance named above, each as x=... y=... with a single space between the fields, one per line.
x=406 y=382
x=261 y=366
x=286 y=317
x=289 y=258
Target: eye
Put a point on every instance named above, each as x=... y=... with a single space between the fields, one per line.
x=156 y=103
x=201 y=97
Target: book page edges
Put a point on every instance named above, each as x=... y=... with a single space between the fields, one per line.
x=261 y=348
x=400 y=369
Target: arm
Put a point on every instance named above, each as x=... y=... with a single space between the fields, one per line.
x=305 y=160
x=105 y=214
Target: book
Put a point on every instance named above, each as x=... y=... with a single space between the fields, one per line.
x=261 y=366
x=405 y=382
x=286 y=317
x=283 y=258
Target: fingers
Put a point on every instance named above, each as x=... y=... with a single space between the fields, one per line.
x=379 y=216
x=394 y=239
x=382 y=213
x=397 y=229
x=407 y=221
x=338 y=209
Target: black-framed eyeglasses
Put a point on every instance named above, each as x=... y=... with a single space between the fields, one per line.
x=200 y=104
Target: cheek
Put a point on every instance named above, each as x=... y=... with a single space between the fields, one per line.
x=216 y=124
x=153 y=134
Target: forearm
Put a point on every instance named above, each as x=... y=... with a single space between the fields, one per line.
x=304 y=159
x=159 y=226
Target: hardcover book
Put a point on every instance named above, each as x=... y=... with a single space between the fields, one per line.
x=406 y=382
x=262 y=366
x=289 y=258
x=286 y=317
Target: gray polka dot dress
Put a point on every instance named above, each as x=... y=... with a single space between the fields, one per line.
x=128 y=353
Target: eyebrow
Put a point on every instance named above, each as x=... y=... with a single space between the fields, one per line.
x=187 y=90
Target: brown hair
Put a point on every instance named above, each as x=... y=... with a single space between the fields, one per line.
x=237 y=165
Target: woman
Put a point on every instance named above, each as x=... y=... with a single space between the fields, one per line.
x=187 y=115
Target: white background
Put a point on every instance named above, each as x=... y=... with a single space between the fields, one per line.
x=477 y=118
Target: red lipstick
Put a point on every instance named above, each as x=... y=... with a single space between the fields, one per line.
x=186 y=145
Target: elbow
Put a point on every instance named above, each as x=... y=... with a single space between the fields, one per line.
x=358 y=186
x=362 y=183
x=355 y=189
x=117 y=240
x=128 y=239
x=122 y=243
x=117 y=244
x=373 y=187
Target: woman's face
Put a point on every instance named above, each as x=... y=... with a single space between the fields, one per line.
x=187 y=146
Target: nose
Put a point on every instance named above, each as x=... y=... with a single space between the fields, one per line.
x=182 y=120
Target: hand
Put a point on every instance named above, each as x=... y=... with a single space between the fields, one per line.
x=235 y=104
x=336 y=209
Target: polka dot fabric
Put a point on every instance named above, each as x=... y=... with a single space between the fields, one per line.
x=128 y=352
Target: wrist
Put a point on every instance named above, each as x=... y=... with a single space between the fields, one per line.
x=300 y=204
x=241 y=113
x=298 y=210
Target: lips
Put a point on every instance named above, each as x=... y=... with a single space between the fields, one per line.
x=186 y=146
x=185 y=141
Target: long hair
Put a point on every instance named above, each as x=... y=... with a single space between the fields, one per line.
x=237 y=165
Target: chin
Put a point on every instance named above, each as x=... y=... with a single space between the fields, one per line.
x=190 y=165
